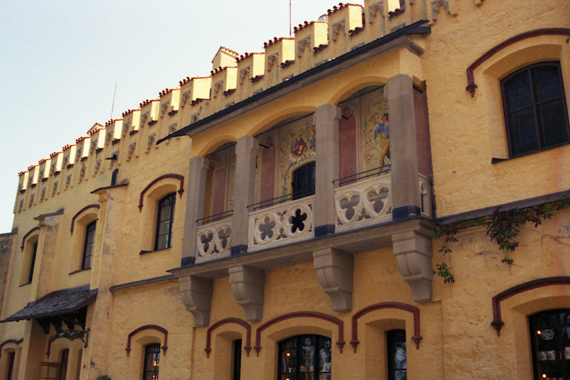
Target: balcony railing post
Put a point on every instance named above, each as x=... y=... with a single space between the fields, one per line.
x=326 y=120
x=195 y=196
x=244 y=191
x=403 y=147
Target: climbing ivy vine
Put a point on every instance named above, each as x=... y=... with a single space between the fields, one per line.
x=503 y=227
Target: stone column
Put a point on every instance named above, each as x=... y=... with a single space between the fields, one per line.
x=403 y=149
x=244 y=191
x=194 y=207
x=326 y=120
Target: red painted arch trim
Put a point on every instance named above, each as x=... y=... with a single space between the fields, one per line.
x=539 y=283
x=222 y=322
x=301 y=314
x=27 y=235
x=14 y=341
x=80 y=212
x=471 y=86
x=148 y=327
x=386 y=305
x=175 y=176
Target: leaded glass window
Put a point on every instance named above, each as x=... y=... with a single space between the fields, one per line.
x=550 y=339
x=151 y=361
x=164 y=222
x=535 y=108
x=305 y=357
x=397 y=358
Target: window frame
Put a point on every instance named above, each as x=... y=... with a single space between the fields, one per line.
x=32 y=261
x=535 y=104
x=160 y=206
x=154 y=350
x=297 y=374
x=563 y=359
x=308 y=172
x=88 y=245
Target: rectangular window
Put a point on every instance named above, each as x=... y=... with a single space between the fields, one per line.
x=236 y=372
x=164 y=222
x=535 y=109
x=88 y=246
x=151 y=362
x=397 y=358
x=33 y=262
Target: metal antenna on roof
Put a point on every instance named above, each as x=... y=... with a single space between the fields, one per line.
x=113 y=106
x=290 y=31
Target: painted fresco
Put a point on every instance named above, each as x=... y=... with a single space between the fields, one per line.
x=375 y=129
x=297 y=147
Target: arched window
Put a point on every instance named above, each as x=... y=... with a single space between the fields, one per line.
x=550 y=340
x=305 y=357
x=88 y=245
x=304 y=181
x=535 y=108
x=151 y=361
x=164 y=222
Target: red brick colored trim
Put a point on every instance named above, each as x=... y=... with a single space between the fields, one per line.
x=26 y=236
x=175 y=176
x=539 y=283
x=17 y=342
x=148 y=327
x=79 y=212
x=386 y=305
x=222 y=322
x=471 y=86
x=301 y=314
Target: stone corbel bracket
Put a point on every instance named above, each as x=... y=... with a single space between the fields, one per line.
x=413 y=251
x=335 y=271
x=196 y=294
x=248 y=288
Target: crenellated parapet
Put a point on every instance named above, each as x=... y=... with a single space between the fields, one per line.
x=233 y=79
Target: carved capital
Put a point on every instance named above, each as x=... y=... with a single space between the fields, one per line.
x=248 y=288
x=335 y=270
x=413 y=250
x=196 y=294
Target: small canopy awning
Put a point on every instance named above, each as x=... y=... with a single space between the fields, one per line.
x=56 y=304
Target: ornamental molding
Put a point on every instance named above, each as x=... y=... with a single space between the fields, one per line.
x=243 y=73
x=336 y=28
x=376 y=7
x=301 y=45
x=185 y=96
x=163 y=108
x=172 y=128
x=272 y=60
x=131 y=150
x=435 y=4
x=150 y=141
x=217 y=87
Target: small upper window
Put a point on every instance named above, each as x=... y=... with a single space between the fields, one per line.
x=33 y=262
x=88 y=246
x=164 y=222
x=535 y=109
x=151 y=361
x=550 y=338
x=305 y=357
x=304 y=181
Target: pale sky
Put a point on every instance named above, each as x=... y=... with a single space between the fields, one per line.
x=60 y=61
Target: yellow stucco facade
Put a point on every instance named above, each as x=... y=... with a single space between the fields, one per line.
x=294 y=194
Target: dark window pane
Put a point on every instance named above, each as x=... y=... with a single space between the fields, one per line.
x=518 y=92
x=549 y=339
x=522 y=131
x=546 y=83
x=306 y=357
x=397 y=357
x=89 y=245
x=553 y=122
x=164 y=222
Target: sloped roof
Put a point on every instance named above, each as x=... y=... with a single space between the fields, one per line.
x=61 y=302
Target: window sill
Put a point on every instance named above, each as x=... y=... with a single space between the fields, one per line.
x=27 y=283
x=143 y=252
x=79 y=270
x=496 y=160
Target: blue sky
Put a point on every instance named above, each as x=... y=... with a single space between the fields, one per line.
x=60 y=61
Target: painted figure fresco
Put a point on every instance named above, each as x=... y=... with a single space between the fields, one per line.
x=376 y=129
